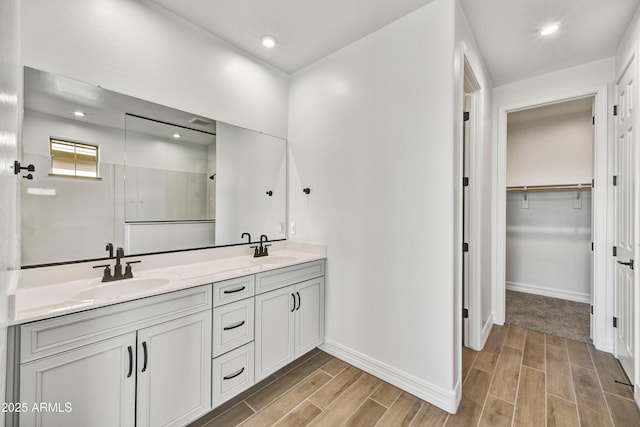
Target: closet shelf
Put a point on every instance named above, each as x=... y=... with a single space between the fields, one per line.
x=551 y=187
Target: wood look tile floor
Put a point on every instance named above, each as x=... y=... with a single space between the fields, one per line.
x=521 y=378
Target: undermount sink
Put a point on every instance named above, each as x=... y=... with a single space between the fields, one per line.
x=273 y=259
x=112 y=290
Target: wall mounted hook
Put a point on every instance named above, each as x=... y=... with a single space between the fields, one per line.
x=269 y=193
x=17 y=168
x=306 y=190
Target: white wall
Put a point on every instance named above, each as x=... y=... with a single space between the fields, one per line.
x=371 y=133
x=480 y=209
x=248 y=165
x=553 y=85
x=140 y=49
x=10 y=88
x=630 y=39
x=549 y=244
x=550 y=150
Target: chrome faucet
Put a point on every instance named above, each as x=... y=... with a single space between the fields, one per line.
x=261 y=250
x=117 y=269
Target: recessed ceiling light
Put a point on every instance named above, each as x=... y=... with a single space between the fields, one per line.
x=79 y=113
x=176 y=135
x=268 y=41
x=549 y=29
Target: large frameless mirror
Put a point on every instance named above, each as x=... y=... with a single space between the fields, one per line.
x=110 y=168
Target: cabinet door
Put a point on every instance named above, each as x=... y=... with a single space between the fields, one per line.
x=93 y=386
x=309 y=315
x=174 y=371
x=274 y=339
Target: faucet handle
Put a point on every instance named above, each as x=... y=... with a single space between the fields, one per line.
x=102 y=266
x=266 y=251
x=255 y=252
x=127 y=270
x=106 y=276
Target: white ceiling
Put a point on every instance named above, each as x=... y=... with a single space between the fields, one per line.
x=506 y=30
x=507 y=33
x=306 y=30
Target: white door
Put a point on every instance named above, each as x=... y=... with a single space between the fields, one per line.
x=174 y=371
x=94 y=385
x=625 y=218
x=274 y=334
x=309 y=315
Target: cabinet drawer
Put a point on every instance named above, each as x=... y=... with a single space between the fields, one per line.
x=281 y=277
x=50 y=336
x=232 y=373
x=233 y=290
x=232 y=326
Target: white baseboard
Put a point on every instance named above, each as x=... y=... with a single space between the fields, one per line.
x=486 y=330
x=447 y=400
x=549 y=292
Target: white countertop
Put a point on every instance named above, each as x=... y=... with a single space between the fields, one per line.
x=29 y=302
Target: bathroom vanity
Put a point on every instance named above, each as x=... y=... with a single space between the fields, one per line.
x=185 y=339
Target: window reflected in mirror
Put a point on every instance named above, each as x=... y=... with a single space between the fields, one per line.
x=73 y=159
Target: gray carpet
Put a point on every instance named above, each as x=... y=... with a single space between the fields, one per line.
x=568 y=319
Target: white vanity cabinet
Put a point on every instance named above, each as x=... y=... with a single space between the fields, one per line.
x=289 y=319
x=93 y=385
x=174 y=371
x=232 y=366
x=140 y=363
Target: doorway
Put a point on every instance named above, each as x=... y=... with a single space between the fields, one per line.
x=548 y=260
x=601 y=294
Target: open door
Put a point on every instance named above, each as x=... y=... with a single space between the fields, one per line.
x=624 y=193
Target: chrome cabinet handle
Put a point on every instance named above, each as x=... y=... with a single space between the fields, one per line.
x=228 y=377
x=233 y=291
x=130 y=350
x=146 y=356
x=237 y=325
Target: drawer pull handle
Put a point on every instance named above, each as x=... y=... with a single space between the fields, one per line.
x=228 y=377
x=299 y=300
x=237 y=325
x=130 y=361
x=233 y=291
x=144 y=364
x=294 y=303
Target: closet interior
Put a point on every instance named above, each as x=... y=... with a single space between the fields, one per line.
x=549 y=219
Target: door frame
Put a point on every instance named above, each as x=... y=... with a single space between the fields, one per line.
x=472 y=337
x=603 y=286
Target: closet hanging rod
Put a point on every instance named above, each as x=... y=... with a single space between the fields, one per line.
x=550 y=187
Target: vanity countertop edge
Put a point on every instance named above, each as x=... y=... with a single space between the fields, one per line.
x=28 y=303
